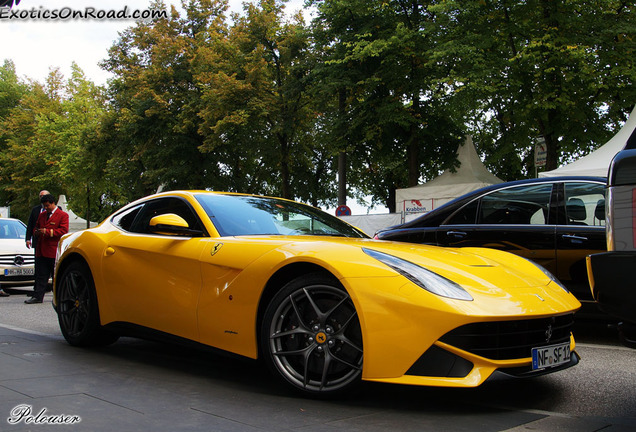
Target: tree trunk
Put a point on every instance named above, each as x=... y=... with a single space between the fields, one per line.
x=390 y=204
x=88 y=206
x=342 y=156
x=414 y=144
x=342 y=178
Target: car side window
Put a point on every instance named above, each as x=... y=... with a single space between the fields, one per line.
x=124 y=220
x=162 y=206
x=585 y=204
x=520 y=205
x=464 y=216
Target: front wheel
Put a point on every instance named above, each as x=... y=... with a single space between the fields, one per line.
x=77 y=309
x=311 y=336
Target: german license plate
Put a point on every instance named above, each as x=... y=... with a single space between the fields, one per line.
x=550 y=356
x=19 y=272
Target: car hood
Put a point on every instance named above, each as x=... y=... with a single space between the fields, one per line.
x=485 y=268
x=14 y=246
x=500 y=283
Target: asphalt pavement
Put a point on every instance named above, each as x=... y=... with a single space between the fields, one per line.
x=136 y=385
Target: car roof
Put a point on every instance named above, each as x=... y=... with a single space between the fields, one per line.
x=11 y=219
x=443 y=210
x=193 y=192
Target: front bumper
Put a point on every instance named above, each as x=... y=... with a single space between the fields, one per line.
x=449 y=366
x=15 y=281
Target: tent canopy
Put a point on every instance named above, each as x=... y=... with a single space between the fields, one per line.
x=75 y=222
x=597 y=163
x=471 y=175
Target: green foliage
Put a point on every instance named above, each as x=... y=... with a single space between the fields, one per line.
x=12 y=90
x=377 y=54
x=539 y=69
x=28 y=150
x=155 y=102
x=50 y=134
x=257 y=116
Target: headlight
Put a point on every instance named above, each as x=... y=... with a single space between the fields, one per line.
x=422 y=277
x=551 y=276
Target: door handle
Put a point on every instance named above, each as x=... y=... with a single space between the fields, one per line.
x=574 y=238
x=109 y=251
x=456 y=234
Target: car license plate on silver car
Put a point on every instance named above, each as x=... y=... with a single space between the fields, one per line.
x=19 y=272
x=550 y=356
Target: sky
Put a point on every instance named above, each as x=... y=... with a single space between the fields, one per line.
x=36 y=46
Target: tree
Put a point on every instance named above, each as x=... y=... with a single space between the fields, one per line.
x=12 y=90
x=76 y=166
x=257 y=109
x=49 y=136
x=377 y=55
x=29 y=151
x=156 y=102
x=539 y=69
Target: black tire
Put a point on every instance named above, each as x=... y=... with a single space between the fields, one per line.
x=77 y=308
x=311 y=337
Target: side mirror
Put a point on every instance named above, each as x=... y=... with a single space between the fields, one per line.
x=172 y=224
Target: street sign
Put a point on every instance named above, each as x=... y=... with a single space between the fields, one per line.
x=343 y=210
x=540 y=153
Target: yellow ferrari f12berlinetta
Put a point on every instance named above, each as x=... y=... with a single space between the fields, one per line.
x=324 y=305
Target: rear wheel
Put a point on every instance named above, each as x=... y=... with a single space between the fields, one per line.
x=311 y=336
x=77 y=309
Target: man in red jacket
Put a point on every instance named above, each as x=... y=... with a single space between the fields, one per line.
x=51 y=225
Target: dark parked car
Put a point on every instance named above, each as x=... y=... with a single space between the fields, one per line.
x=555 y=222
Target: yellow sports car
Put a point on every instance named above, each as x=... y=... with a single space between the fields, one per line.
x=324 y=305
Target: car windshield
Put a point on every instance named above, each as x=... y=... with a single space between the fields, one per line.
x=12 y=229
x=235 y=215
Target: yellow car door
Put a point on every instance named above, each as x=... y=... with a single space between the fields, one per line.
x=154 y=278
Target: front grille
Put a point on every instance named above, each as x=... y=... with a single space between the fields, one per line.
x=506 y=340
x=17 y=259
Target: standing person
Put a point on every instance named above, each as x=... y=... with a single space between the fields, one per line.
x=50 y=226
x=30 y=240
x=33 y=217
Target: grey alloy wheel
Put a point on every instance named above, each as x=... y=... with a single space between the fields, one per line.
x=312 y=337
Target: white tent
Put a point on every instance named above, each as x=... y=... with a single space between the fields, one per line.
x=469 y=176
x=75 y=222
x=597 y=163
